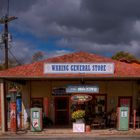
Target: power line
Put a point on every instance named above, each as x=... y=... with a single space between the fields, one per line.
x=14 y=56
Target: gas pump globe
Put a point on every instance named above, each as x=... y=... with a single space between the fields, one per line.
x=13 y=94
x=13 y=108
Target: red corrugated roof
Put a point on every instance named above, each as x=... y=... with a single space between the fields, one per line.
x=36 y=70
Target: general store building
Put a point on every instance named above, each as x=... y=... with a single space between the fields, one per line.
x=51 y=83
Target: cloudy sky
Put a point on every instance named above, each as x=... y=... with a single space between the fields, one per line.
x=56 y=27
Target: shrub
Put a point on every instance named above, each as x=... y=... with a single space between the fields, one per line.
x=79 y=114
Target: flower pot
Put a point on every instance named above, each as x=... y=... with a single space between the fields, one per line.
x=88 y=129
x=81 y=120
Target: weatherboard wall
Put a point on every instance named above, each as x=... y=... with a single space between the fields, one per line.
x=113 y=89
x=43 y=89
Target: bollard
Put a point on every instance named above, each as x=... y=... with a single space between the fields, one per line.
x=134 y=120
x=88 y=129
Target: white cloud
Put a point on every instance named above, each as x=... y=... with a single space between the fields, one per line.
x=57 y=53
x=22 y=50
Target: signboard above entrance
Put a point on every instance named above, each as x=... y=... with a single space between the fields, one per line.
x=82 y=89
x=81 y=98
x=75 y=68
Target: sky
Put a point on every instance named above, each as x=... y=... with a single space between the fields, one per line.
x=58 y=27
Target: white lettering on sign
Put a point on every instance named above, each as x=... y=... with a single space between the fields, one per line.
x=81 y=98
x=123 y=114
x=35 y=114
x=82 y=89
x=91 y=68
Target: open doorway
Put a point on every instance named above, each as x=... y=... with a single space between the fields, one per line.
x=61 y=110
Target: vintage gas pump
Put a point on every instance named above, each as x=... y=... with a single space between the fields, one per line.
x=13 y=116
x=123 y=118
x=19 y=111
x=36 y=119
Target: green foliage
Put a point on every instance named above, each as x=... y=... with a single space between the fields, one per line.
x=37 y=56
x=1 y=66
x=79 y=114
x=124 y=56
x=11 y=63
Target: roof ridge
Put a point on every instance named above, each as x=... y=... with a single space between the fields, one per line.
x=67 y=55
x=37 y=68
x=79 y=53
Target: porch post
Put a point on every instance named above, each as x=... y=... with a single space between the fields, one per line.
x=3 y=107
x=134 y=90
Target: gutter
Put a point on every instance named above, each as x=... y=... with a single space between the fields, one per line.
x=71 y=77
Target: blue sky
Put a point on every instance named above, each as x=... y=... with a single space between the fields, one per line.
x=57 y=27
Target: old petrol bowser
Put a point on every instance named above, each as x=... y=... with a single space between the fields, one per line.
x=36 y=119
x=123 y=118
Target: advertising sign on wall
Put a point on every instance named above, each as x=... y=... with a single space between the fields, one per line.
x=81 y=98
x=74 y=68
x=78 y=127
x=82 y=89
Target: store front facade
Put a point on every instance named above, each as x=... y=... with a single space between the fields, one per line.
x=54 y=85
x=111 y=95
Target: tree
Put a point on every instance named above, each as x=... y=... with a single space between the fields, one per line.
x=37 y=56
x=11 y=63
x=1 y=66
x=125 y=57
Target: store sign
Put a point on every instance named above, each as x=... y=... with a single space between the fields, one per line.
x=82 y=89
x=60 y=92
x=81 y=98
x=78 y=127
x=75 y=68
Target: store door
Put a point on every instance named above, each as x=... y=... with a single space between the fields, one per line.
x=61 y=110
x=125 y=101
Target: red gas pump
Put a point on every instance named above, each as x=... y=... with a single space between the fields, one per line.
x=13 y=118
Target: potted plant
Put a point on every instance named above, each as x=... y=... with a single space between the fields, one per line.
x=79 y=125
x=78 y=115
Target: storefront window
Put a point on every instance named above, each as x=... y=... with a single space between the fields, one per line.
x=37 y=102
x=96 y=106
